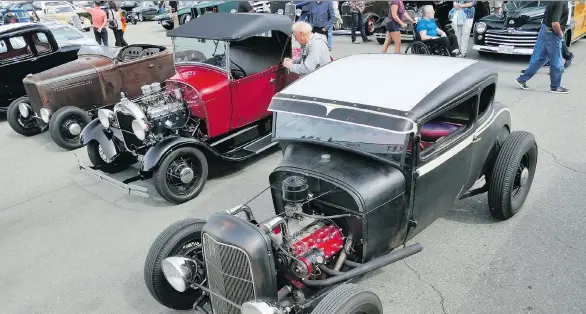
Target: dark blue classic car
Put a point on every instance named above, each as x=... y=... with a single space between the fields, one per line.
x=515 y=31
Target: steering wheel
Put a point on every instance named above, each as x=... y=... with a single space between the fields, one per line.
x=239 y=69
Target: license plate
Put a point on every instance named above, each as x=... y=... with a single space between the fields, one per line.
x=506 y=49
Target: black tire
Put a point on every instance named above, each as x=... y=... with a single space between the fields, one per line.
x=58 y=126
x=23 y=126
x=417 y=48
x=183 y=18
x=168 y=244
x=509 y=184
x=197 y=162
x=168 y=26
x=134 y=21
x=93 y=152
x=349 y=299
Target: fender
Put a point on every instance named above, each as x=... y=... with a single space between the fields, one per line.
x=155 y=154
x=95 y=131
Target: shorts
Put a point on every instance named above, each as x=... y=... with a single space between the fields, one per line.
x=393 y=26
x=495 y=4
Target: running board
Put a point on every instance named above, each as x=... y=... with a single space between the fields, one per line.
x=253 y=148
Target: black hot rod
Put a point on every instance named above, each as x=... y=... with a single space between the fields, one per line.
x=360 y=176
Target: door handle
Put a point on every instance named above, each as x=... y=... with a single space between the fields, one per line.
x=272 y=80
x=151 y=65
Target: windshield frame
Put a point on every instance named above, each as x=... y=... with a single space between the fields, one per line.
x=226 y=52
x=108 y=52
x=66 y=28
x=399 y=162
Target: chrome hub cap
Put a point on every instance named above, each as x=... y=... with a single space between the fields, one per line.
x=186 y=175
x=524 y=177
x=74 y=129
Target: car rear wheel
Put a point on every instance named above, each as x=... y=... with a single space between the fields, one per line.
x=183 y=238
x=349 y=299
x=99 y=160
x=168 y=26
x=512 y=175
x=26 y=126
x=181 y=175
x=65 y=126
x=185 y=18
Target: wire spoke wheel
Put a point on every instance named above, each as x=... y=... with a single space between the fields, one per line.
x=417 y=48
x=70 y=129
x=183 y=175
x=521 y=177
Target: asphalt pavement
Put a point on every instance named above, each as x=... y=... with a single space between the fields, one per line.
x=72 y=244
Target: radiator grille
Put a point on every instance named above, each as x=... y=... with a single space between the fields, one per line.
x=125 y=123
x=229 y=274
x=34 y=97
x=513 y=38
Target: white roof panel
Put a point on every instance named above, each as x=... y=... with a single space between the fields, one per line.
x=393 y=81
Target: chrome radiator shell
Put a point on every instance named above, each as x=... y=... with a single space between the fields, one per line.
x=239 y=262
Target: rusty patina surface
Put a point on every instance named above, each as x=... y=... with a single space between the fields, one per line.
x=95 y=81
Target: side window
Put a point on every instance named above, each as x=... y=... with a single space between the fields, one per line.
x=28 y=7
x=486 y=99
x=41 y=42
x=447 y=125
x=13 y=48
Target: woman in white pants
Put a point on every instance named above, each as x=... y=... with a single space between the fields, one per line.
x=462 y=16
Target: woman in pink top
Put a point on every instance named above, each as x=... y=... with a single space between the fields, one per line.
x=394 y=25
x=99 y=21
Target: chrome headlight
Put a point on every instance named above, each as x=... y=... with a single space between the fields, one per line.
x=179 y=271
x=45 y=114
x=280 y=11
x=140 y=129
x=25 y=109
x=480 y=27
x=105 y=116
x=298 y=12
x=259 y=307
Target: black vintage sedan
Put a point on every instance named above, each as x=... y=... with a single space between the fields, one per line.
x=27 y=48
x=513 y=32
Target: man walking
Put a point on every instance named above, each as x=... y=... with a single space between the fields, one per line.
x=173 y=5
x=357 y=8
x=549 y=45
x=314 y=50
x=321 y=17
x=99 y=21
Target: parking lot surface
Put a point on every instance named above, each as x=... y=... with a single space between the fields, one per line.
x=72 y=244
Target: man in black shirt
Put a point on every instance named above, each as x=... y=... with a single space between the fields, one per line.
x=10 y=18
x=549 y=46
x=173 y=5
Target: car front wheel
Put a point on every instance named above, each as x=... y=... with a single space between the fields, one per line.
x=349 y=299
x=181 y=175
x=99 y=160
x=168 y=26
x=183 y=238
x=65 y=126
x=22 y=125
x=512 y=175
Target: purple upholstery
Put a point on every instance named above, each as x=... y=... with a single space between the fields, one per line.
x=434 y=130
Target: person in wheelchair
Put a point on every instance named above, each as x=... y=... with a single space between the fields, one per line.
x=430 y=33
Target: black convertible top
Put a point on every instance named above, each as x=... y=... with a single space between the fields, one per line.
x=232 y=26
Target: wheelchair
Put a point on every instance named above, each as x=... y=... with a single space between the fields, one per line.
x=420 y=47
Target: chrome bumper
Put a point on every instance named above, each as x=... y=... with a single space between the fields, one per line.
x=130 y=188
x=496 y=49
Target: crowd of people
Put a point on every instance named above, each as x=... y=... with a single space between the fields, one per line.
x=112 y=18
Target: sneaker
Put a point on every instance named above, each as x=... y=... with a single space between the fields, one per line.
x=546 y=65
x=559 y=90
x=455 y=52
x=523 y=71
x=523 y=85
x=569 y=62
x=367 y=40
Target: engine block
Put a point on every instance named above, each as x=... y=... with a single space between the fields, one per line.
x=328 y=239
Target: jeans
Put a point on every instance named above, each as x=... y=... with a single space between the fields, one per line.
x=463 y=34
x=566 y=54
x=101 y=38
x=330 y=31
x=547 y=46
x=357 y=24
x=119 y=36
x=450 y=42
